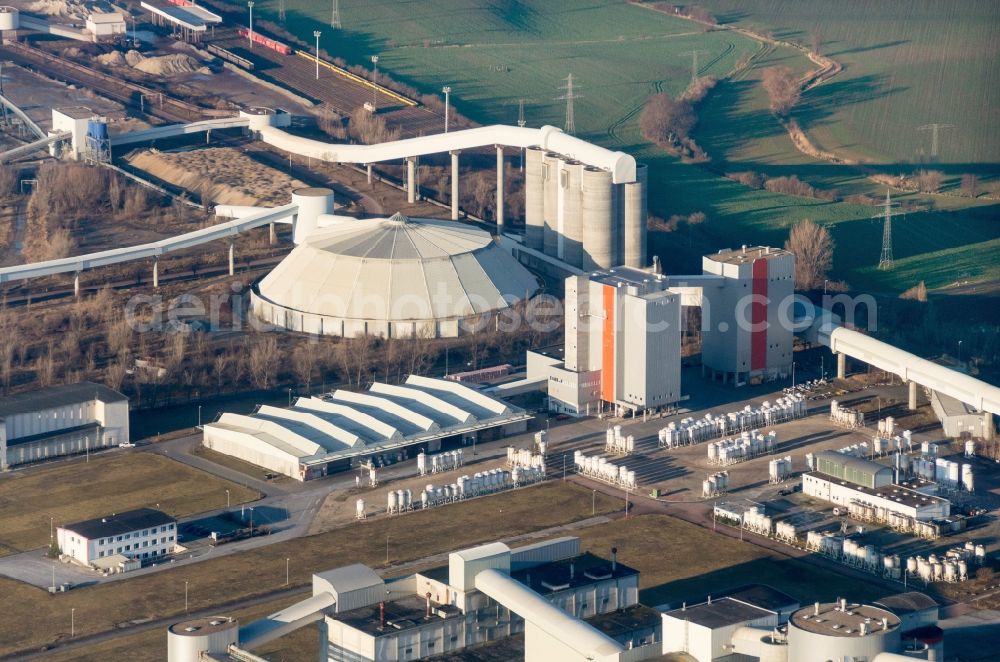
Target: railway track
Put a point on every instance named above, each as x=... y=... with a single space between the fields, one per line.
x=132 y=95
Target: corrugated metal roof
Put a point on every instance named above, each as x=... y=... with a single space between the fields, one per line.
x=385 y=269
x=349 y=578
x=57 y=396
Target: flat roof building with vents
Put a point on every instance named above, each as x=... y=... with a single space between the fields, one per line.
x=113 y=541
x=336 y=431
x=61 y=420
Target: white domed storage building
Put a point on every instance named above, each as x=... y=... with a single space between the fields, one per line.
x=393 y=277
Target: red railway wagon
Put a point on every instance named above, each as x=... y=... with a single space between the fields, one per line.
x=273 y=44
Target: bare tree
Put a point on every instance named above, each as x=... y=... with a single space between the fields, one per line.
x=816 y=39
x=45 y=368
x=136 y=201
x=782 y=89
x=813 y=249
x=220 y=366
x=9 y=341
x=928 y=181
x=664 y=120
x=114 y=375
x=116 y=193
x=264 y=358
x=8 y=179
x=970 y=185
x=305 y=358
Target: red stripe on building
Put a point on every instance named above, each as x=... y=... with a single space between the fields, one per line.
x=758 y=317
x=608 y=346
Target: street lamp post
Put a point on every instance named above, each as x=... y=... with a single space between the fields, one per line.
x=317 y=33
x=250 y=33
x=286 y=570
x=289 y=397
x=793 y=374
x=199 y=416
x=593 y=503
x=960 y=353
x=185 y=596
x=375 y=84
x=72 y=622
x=447 y=93
x=227 y=499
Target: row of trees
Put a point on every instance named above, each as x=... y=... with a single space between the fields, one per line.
x=668 y=122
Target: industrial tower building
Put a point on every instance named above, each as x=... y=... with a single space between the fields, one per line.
x=623 y=331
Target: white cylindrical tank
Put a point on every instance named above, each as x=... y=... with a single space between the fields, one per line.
x=861 y=636
x=970 y=448
x=598 y=219
x=635 y=219
x=954 y=475
x=393 y=501
x=313 y=202
x=534 y=198
x=187 y=640
x=968 y=483
x=359 y=508
x=10 y=19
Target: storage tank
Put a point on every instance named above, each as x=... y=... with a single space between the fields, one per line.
x=954 y=475
x=856 y=632
x=187 y=640
x=572 y=211
x=393 y=501
x=313 y=202
x=359 y=509
x=635 y=219
x=968 y=483
x=534 y=198
x=598 y=219
x=970 y=448
x=551 y=179
x=10 y=19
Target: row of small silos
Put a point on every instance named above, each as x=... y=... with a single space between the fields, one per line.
x=779 y=469
x=446 y=461
x=691 y=431
x=615 y=441
x=756 y=521
x=844 y=416
x=602 y=469
x=523 y=457
x=745 y=447
x=576 y=213
x=715 y=484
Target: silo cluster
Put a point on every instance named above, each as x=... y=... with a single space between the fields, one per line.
x=779 y=470
x=447 y=461
x=756 y=521
x=691 y=431
x=601 y=469
x=852 y=418
x=745 y=447
x=617 y=443
x=579 y=215
x=715 y=484
x=523 y=458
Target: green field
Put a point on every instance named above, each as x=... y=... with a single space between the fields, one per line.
x=32 y=499
x=907 y=63
x=492 y=54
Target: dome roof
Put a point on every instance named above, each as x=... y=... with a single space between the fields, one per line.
x=391 y=270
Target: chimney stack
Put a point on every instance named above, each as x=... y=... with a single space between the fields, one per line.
x=428 y=614
x=381 y=615
x=709 y=600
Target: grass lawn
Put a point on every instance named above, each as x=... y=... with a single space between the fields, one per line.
x=77 y=490
x=35 y=618
x=493 y=54
x=678 y=561
x=682 y=561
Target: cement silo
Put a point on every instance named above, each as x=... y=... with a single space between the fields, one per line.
x=572 y=212
x=841 y=631
x=188 y=640
x=313 y=202
x=534 y=196
x=551 y=176
x=635 y=219
x=598 y=220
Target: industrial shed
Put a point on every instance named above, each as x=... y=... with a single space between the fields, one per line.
x=61 y=420
x=855 y=470
x=336 y=431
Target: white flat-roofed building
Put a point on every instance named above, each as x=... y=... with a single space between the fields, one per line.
x=106 y=26
x=336 y=431
x=61 y=420
x=892 y=498
x=137 y=534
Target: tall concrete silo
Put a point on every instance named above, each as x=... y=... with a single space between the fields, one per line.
x=551 y=177
x=572 y=211
x=635 y=219
x=534 y=196
x=598 y=219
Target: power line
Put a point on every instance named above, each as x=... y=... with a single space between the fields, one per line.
x=281 y=10
x=570 y=125
x=335 y=15
x=934 y=129
x=885 y=261
x=694 y=62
